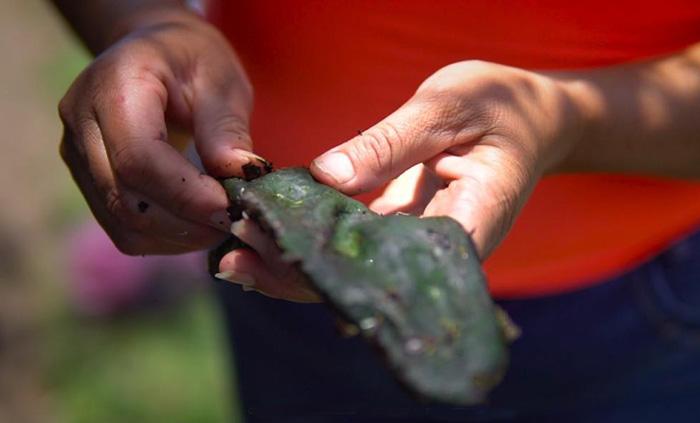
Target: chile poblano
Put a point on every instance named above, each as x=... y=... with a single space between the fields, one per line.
x=413 y=286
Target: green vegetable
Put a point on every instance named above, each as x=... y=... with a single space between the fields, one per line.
x=412 y=286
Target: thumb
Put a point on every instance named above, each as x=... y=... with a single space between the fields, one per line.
x=410 y=135
x=220 y=117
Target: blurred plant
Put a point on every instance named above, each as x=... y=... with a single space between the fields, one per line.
x=104 y=282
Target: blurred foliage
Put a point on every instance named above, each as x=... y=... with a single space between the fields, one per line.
x=161 y=365
x=61 y=67
x=165 y=364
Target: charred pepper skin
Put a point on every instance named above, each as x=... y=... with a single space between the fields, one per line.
x=413 y=286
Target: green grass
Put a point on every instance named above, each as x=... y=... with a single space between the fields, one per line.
x=166 y=365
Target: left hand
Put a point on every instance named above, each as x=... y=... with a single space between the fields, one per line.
x=470 y=144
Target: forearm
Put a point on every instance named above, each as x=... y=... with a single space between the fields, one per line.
x=99 y=23
x=639 y=118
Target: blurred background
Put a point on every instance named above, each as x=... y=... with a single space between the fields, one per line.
x=86 y=335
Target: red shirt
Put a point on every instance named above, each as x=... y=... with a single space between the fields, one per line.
x=324 y=69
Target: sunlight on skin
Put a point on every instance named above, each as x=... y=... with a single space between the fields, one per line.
x=409 y=193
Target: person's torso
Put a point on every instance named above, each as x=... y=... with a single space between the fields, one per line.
x=322 y=70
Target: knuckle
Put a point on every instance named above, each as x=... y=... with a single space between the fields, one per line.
x=230 y=123
x=236 y=85
x=74 y=114
x=124 y=75
x=70 y=152
x=114 y=203
x=79 y=90
x=501 y=203
x=65 y=110
x=131 y=165
x=471 y=91
x=118 y=207
x=376 y=147
x=447 y=80
x=132 y=74
x=472 y=65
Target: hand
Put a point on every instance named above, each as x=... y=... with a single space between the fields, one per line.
x=471 y=144
x=147 y=196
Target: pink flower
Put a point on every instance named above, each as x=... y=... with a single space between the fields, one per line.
x=103 y=281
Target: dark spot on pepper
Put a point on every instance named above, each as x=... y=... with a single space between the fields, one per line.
x=184 y=180
x=439 y=239
x=393 y=295
x=143 y=206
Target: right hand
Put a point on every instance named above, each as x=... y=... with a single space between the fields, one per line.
x=470 y=144
x=147 y=196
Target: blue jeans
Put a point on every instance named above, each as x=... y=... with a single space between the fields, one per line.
x=627 y=350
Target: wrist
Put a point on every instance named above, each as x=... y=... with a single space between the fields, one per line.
x=145 y=16
x=582 y=116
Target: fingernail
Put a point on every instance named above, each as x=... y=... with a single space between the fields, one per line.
x=246 y=154
x=247 y=288
x=220 y=219
x=266 y=164
x=337 y=166
x=237 y=226
x=236 y=277
x=250 y=156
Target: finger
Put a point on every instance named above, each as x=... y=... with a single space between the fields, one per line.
x=128 y=242
x=136 y=224
x=130 y=114
x=417 y=131
x=221 y=108
x=486 y=191
x=150 y=219
x=245 y=267
x=263 y=244
x=409 y=193
x=133 y=210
